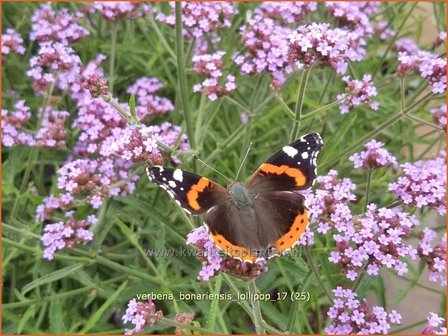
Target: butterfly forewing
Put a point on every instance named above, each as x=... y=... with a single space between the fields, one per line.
x=194 y=193
x=291 y=168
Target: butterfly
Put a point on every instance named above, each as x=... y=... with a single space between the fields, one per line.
x=263 y=218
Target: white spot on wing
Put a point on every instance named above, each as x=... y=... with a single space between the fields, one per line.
x=290 y=151
x=172 y=184
x=177 y=175
x=305 y=155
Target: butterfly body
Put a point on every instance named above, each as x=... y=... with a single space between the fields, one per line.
x=264 y=217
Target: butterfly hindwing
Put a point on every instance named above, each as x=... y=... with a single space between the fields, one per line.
x=291 y=168
x=274 y=224
x=194 y=193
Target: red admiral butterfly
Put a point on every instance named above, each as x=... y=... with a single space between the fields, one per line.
x=264 y=217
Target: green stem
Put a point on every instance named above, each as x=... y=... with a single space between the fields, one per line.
x=359 y=279
x=124 y=114
x=316 y=273
x=182 y=77
x=389 y=122
x=402 y=94
x=299 y=103
x=324 y=108
x=257 y=318
x=369 y=180
x=113 y=49
x=427 y=123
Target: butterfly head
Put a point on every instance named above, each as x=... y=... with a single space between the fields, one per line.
x=240 y=196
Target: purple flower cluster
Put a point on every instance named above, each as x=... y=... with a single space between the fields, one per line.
x=423 y=184
x=266 y=47
x=56 y=64
x=210 y=66
x=377 y=241
x=405 y=45
x=62 y=26
x=439 y=115
x=12 y=42
x=354 y=15
x=96 y=85
x=358 y=92
x=286 y=12
x=115 y=10
x=52 y=132
x=200 y=18
x=383 y=31
x=350 y=316
x=316 y=43
x=375 y=156
x=184 y=318
x=328 y=205
x=213 y=263
x=433 y=256
x=13 y=124
x=141 y=144
x=66 y=235
x=436 y=325
x=440 y=39
x=147 y=102
x=428 y=65
x=141 y=315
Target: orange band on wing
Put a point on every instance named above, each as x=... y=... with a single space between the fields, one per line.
x=294 y=234
x=295 y=173
x=193 y=194
x=232 y=250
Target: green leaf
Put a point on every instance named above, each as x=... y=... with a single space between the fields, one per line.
x=29 y=313
x=132 y=108
x=55 y=316
x=50 y=277
x=99 y=313
x=210 y=324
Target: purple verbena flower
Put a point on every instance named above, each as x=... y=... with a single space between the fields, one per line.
x=266 y=49
x=56 y=63
x=148 y=103
x=428 y=65
x=436 y=325
x=316 y=43
x=52 y=132
x=12 y=42
x=358 y=92
x=200 y=18
x=66 y=235
x=13 y=124
x=440 y=39
x=354 y=15
x=184 y=318
x=350 y=316
x=433 y=256
x=377 y=241
x=96 y=85
x=62 y=26
x=383 y=31
x=375 y=156
x=115 y=10
x=286 y=12
x=210 y=66
x=141 y=315
x=439 y=115
x=405 y=45
x=423 y=184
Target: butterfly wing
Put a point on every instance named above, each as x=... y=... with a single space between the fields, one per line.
x=291 y=168
x=272 y=226
x=194 y=193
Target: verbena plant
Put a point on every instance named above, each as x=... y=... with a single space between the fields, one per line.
x=93 y=93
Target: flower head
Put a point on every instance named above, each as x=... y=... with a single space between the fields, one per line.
x=316 y=43
x=439 y=115
x=433 y=256
x=96 y=85
x=423 y=184
x=141 y=315
x=351 y=316
x=358 y=92
x=62 y=26
x=12 y=42
x=286 y=12
x=375 y=156
x=436 y=325
x=115 y=10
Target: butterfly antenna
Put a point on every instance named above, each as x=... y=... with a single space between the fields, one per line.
x=210 y=167
x=244 y=160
